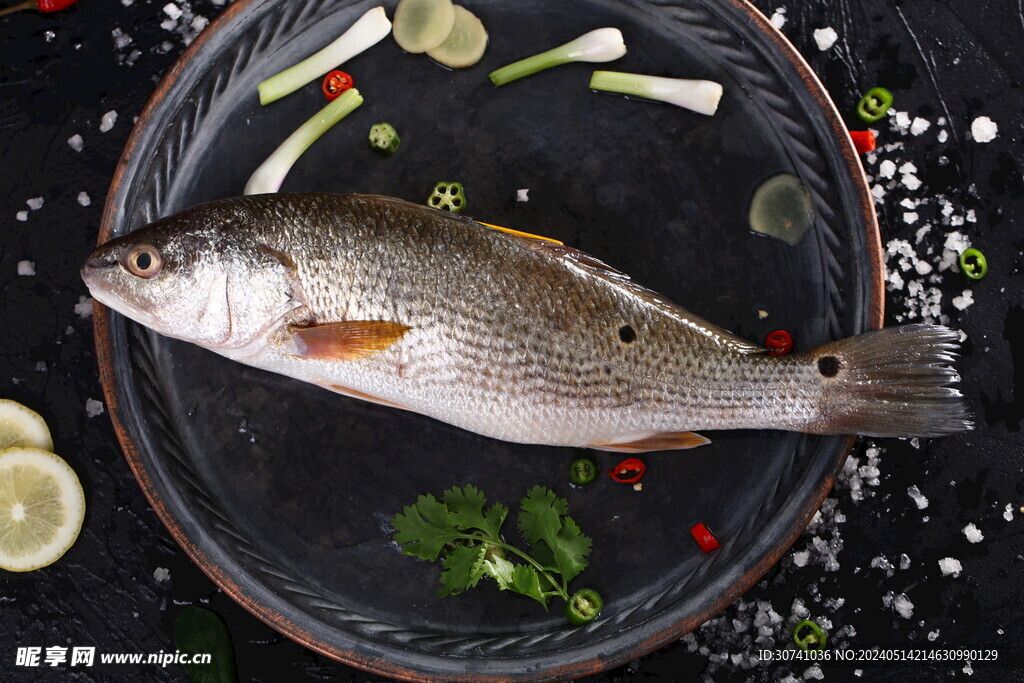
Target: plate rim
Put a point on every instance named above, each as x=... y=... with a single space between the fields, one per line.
x=874 y=302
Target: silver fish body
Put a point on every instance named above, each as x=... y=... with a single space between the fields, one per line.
x=510 y=336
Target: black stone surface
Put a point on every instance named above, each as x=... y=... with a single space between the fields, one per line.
x=959 y=59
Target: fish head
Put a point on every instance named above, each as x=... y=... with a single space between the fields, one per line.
x=197 y=276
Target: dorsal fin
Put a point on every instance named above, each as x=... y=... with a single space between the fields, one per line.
x=519 y=233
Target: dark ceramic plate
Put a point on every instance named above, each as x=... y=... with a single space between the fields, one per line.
x=282 y=492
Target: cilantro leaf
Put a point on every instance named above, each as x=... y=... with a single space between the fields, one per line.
x=498 y=568
x=466 y=510
x=539 y=514
x=555 y=539
x=525 y=580
x=571 y=548
x=424 y=529
x=461 y=569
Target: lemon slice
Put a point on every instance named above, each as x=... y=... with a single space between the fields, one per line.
x=20 y=426
x=41 y=508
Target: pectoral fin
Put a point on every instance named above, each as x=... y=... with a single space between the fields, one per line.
x=652 y=441
x=349 y=340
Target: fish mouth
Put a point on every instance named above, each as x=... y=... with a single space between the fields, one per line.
x=94 y=275
x=94 y=268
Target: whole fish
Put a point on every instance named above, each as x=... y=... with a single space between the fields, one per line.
x=508 y=335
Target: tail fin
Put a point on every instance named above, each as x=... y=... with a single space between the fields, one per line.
x=893 y=382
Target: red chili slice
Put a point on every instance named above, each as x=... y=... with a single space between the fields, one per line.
x=41 y=5
x=335 y=83
x=705 y=539
x=863 y=141
x=629 y=471
x=55 y=5
x=778 y=343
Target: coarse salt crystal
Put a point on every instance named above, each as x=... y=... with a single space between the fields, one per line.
x=172 y=10
x=84 y=307
x=35 y=203
x=825 y=37
x=83 y=199
x=903 y=606
x=161 y=573
x=199 y=22
x=801 y=558
x=1008 y=512
x=910 y=217
x=923 y=267
x=814 y=671
x=968 y=669
x=964 y=300
x=950 y=566
x=22 y=216
x=75 y=142
x=107 y=121
x=902 y=120
x=523 y=195
x=984 y=129
x=779 y=19
x=121 y=39
x=877 y=191
x=943 y=135
x=973 y=533
x=908 y=167
x=93 y=407
x=887 y=169
x=920 y=500
x=910 y=181
x=933 y=635
x=26 y=268
x=919 y=126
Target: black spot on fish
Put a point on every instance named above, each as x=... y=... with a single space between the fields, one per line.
x=829 y=366
x=627 y=334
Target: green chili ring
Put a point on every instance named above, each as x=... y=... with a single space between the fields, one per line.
x=582 y=471
x=583 y=607
x=814 y=640
x=973 y=263
x=874 y=105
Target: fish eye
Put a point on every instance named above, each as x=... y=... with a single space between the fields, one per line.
x=144 y=260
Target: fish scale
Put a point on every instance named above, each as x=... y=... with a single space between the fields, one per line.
x=509 y=336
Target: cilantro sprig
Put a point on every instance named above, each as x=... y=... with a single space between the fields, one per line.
x=465 y=534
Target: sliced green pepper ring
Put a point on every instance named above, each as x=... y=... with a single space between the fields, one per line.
x=874 y=105
x=583 y=607
x=973 y=263
x=808 y=636
x=582 y=471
